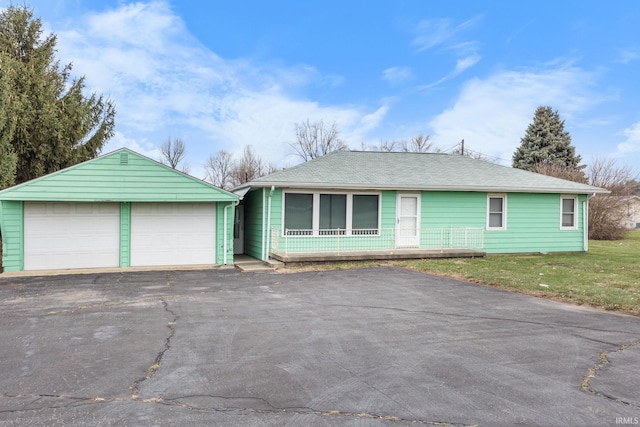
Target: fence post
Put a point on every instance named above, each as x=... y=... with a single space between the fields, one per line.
x=286 y=241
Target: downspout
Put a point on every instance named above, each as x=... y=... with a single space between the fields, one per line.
x=585 y=221
x=225 y=228
x=268 y=239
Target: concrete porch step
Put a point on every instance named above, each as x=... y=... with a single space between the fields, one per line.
x=246 y=263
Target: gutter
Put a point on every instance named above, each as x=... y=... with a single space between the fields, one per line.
x=472 y=188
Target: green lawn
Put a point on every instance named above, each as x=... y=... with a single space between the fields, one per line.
x=607 y=276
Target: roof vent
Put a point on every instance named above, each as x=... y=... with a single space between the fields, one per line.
x=124 y=158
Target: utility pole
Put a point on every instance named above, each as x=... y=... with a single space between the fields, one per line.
x=462 y=147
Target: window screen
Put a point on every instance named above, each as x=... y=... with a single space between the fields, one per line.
x=333 y=213
x=298 y=213
x=365 y=214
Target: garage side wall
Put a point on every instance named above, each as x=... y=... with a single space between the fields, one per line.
x=220 y=232
x=12 y=230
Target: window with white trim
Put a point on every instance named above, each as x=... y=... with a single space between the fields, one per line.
x=568 y=212
x=496 y=212
x=298 y=212
x=326 y=214
x=333 y=214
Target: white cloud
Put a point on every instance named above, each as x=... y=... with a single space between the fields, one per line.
x=632 y=141
x=492 y=114
x=165 y=84
x=466 y=62
x=145 y=148
x=396 y=75
x=628 y=55
x=442 y=32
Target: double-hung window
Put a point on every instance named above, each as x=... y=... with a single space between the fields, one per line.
x=569 y=212
x=496 y=212
x=326 y=214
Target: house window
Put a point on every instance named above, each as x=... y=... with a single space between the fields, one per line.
x=568 y=217
x=298 y=213
x=326 y=214
x=333 y=213
x=496 y=212
x=365 y=214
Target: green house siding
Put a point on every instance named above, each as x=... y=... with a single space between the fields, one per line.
x=533 y=225
x=125 y=234
x=254 y=228
x=11 y=222
x=122 y=176
x=220 y=234
x=532 y=222
x=388 y=209
x=453 y=209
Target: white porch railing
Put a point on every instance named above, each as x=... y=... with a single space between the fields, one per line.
x=349 y=240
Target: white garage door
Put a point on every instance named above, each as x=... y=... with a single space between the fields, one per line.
x=173 y=233
x=71 y=235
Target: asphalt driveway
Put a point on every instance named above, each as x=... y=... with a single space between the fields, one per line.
x=371 y=347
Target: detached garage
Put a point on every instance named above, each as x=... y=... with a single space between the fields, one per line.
x=118 y=210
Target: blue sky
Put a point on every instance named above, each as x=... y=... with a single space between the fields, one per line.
x=226 y=74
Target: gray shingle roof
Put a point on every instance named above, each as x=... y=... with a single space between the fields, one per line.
x=413 y=171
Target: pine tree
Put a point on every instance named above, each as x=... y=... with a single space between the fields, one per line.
x=8 y=158
x=52 y=124
x=546 y=142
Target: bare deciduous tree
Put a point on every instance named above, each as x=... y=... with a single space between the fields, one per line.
x=608 y=211
x=561 y=171
x=226 y=172
x=249 y=167
x=419 y=144
x=172 y=152
x=218 y=168
x=315 y=139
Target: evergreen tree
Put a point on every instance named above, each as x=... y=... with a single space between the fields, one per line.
x=546 y=142
x=52 y=125
x=8 y=158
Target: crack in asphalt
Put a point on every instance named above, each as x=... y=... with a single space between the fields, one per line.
x=135 y=387
x=175 y=401
x=593 y=371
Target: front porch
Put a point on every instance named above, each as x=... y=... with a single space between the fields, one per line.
x=291 y=246
x=375 y=255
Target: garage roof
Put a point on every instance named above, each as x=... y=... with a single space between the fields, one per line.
x=120 y=176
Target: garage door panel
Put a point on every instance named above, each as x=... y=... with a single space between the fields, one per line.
x=172 y=234
x=71 y=235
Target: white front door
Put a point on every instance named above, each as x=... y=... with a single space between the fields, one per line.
x=408 y=221
x=238 y=231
